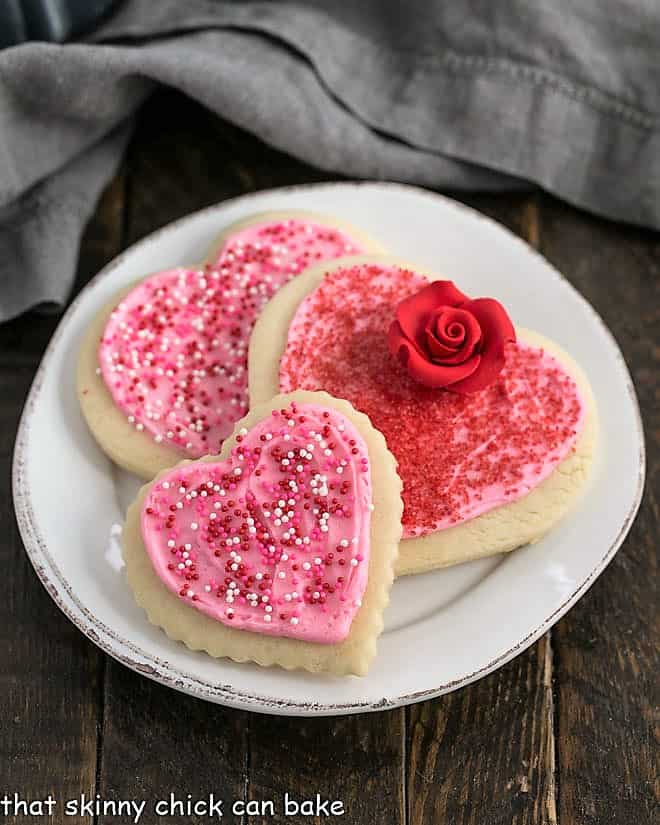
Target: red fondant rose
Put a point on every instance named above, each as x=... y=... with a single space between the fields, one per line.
x=445 y=339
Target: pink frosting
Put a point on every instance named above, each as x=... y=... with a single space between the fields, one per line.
x=276 y=538
x=458 y=456
x=174 y=352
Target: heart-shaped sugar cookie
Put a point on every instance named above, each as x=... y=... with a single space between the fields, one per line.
x=280 y=550
x=465 y=460
x=163 y=370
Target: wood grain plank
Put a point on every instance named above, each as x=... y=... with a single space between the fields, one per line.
x=607 y=645
x=158 y=742
x=49 y=680
x=355 y=760
x=487 y=752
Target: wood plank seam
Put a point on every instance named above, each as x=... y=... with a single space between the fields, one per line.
x=116 y=209
x=100 y=729
x=553 y=730
x=531 y=229
x=404 y=764
x=246 y=766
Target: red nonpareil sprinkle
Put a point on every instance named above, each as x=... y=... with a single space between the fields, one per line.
x=260 y=557
x=174 y=352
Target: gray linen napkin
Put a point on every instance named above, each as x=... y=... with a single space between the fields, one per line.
x=473 y=95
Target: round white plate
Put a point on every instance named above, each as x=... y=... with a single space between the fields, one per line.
x=443 y=629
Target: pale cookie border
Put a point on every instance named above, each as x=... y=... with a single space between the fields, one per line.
x=131 y=449
x=370 y=244
x=500 y=530
x=198 y=631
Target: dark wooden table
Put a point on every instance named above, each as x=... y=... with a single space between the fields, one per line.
x=563 y=733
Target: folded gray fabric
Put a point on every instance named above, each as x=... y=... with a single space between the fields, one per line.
x=463 y=95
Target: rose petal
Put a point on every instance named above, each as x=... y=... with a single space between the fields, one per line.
x=464 y=319
x=437 y=351
x=413 y=312
x=443 y=321
x=493 y=319
x=434 y=375
x=442 y=351
x=395 y=338
x=420 y=340
x=497 y=329
x=399 y=345
x=489 y=369
x=453 y=331
x=439 y=354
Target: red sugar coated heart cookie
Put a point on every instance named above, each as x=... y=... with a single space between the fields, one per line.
x=174 y=352
x=458 y=456
x=276 y=538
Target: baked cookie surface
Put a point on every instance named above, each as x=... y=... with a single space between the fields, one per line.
x=483 y=473
x=281 y=549
x=162 y=368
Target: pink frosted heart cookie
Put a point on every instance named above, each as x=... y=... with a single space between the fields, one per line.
x=163 y=369
x=281 y=549
x=493 y=436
